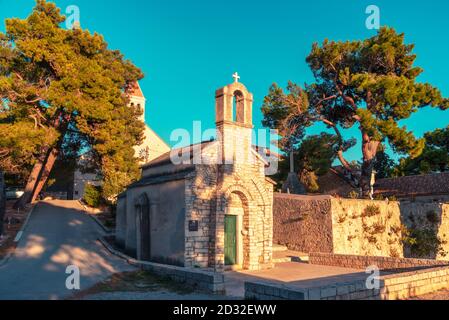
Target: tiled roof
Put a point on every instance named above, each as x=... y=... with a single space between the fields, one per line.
x=134 y=90
x=419 y=185
x=166 y=157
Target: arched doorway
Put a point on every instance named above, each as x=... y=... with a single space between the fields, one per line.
x=143 y=214
x=236 y=225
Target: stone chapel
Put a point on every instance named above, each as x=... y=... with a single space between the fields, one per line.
x=212 y=210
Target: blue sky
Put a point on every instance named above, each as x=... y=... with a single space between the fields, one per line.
x=187 y=49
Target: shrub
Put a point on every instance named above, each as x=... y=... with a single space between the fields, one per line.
x=423 y=243
x=371 y=210
x=396 y=229
x=379 y=197
x=394 y=253
x=341 y=218
x=92 y=195
x=378 y=227
x=353 y=194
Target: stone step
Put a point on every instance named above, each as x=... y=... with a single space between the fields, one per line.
x=279 y=247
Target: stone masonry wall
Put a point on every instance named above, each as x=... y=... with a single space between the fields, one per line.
x=358 y=227
x=431 y=217
x=362 y=262
x=367 y=228
x=208 y=192
x=302 y=223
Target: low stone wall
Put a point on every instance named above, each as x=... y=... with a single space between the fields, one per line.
x=391 y=287
x=207 y=281
x=303 y=223
x=362 y=262
x=269 y=291
x=415 y=283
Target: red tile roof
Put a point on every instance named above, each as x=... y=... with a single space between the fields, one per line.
x=410 y=186
x=134 y=90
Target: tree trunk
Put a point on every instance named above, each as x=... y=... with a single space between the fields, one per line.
x=45 y=173
x=41 y=169
x=369 y=150
x=30 y=186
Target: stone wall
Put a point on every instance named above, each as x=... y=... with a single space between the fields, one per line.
x=362 y=262
x=433 y=219
x=366 y=227
x=2 y=200
x=360 y=227
x=302 y=223
x=167 y=219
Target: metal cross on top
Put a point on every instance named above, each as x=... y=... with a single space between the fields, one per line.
x=236 y=77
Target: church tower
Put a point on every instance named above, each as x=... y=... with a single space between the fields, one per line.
x=153 y=146
x=233 y=107
x=137 y=98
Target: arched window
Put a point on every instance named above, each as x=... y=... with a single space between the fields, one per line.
x=238 y=107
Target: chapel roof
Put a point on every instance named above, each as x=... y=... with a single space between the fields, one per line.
x=190 y=150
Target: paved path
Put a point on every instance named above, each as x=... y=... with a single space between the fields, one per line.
x=58 y=234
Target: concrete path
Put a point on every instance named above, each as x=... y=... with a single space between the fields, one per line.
x=58 y=234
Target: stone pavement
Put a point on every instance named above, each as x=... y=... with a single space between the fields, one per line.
x=296 y=274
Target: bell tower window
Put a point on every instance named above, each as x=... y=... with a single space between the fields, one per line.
x=238 y=107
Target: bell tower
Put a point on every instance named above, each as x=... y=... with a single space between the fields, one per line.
x=136 y=98
x=233 y=108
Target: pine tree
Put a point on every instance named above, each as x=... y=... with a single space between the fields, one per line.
x=434 y=158
x=58 y=85
x=370 y=84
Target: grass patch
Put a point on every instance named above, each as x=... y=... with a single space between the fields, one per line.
x=136 y=281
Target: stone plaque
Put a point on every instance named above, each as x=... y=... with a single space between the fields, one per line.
x=193 y=225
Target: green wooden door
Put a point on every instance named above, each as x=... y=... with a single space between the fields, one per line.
x=230 y=241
